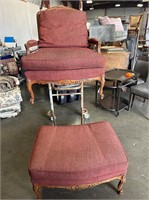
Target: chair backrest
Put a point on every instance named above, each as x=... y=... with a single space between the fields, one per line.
x=62 y=27
x=135 y=20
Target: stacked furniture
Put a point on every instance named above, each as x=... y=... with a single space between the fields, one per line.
x=10 y=97
x=106 y=29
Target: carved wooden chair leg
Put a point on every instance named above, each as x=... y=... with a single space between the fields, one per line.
x=102 y=82
x=37 y=190
x=29 y=86
x=120 y=184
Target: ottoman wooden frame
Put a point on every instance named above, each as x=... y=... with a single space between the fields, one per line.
x=122 y=178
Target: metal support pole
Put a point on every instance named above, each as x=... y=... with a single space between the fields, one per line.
x=81 y=5
x=82 y=104
x=136 y=48
x=51 y=113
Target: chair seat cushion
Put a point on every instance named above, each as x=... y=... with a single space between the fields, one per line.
x=66 y=75
x=76 y=155
x=141 y=90
x=57 y=59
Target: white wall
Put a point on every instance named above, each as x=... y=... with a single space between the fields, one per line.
x=18 y=19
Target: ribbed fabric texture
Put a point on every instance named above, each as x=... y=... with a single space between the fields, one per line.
x=55 y=59
x=64 y=75
x=63 y=52
x=62 y=27
x=76 y=155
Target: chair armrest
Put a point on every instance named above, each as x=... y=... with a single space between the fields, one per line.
x=103 y=33
x=31 y=46
x=94 y=44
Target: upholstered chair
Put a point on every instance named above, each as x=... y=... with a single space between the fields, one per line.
x=62 y=55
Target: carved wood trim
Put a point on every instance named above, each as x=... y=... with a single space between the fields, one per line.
x=37 y=190
x=122 y=178
x=120 y=184
x=30 y=83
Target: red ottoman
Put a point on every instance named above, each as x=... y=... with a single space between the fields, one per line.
x=77 y=157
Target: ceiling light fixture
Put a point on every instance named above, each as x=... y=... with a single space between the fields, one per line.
x=89 y=1
x=140 y=5
x=117 y=5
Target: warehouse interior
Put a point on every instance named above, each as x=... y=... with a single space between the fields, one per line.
x=19 y=131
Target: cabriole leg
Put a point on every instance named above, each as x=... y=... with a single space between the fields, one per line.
x=37 y=190
x=120 y=184
x=102 y=82
x=29 y=86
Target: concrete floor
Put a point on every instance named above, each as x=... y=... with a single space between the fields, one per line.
x=17 y=136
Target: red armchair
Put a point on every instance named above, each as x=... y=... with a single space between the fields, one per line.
x=61 y=56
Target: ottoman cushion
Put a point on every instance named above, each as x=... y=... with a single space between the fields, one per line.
x=76 y=155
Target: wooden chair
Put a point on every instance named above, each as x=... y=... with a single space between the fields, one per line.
x=134 y=31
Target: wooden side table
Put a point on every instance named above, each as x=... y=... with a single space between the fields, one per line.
x=118 y=60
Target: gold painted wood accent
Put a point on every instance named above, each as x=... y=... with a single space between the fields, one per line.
x=122 y=178
x=37 y=190
x=120 y=184
x=30 y=83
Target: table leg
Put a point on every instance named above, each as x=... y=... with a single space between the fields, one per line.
x=51 y=113
x=82 y=104
x=96 y=94
x=118 y=101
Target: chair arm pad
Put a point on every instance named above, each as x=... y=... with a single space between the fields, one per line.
x=31 y=46
x=92 y=42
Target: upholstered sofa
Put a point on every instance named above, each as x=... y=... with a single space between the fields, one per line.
x=110 y=31
x=62 y=55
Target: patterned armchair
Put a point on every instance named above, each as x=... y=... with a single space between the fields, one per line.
x=62 y=55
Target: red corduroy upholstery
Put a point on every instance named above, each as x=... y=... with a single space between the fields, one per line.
x=76 y=155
